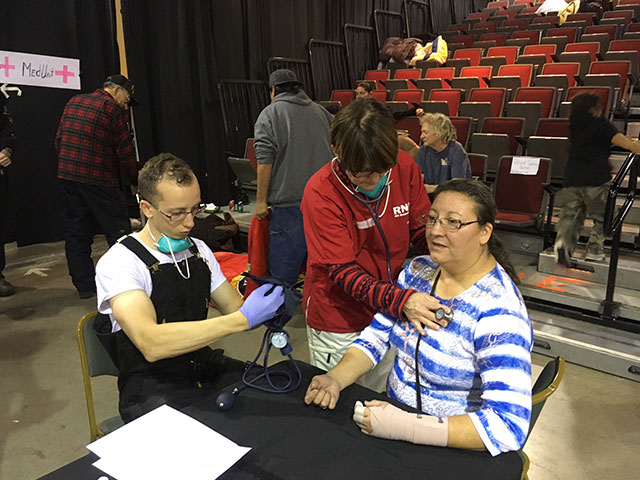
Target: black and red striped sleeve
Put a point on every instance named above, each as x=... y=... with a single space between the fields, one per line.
x=383 y=296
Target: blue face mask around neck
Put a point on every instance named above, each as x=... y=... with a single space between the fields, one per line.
x=375 y=191
x=172 y=245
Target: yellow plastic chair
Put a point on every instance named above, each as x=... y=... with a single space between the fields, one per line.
x=546 y=383
x=95 y=361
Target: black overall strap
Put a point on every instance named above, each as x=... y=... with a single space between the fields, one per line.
x=141 y=251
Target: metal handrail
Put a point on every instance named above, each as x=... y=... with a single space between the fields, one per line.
x=630 y=166
x=613 y=227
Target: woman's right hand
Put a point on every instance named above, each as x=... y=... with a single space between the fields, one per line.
x=420 y=308
x=323 y=391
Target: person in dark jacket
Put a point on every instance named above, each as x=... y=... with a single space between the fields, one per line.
x=587 y=177
x=7 y=144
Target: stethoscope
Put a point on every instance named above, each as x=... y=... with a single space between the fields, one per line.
x=440 y=314
x=375 y=216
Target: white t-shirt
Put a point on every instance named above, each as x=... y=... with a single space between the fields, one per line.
x=120 y=270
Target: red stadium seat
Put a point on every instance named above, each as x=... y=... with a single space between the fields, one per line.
x=570 y=32
x=548 y=50
x=510 y=14
x=250 y=153
x=588 y=17
x=521 y=198
x=590 y=47
x=553 y=127
x=410 y=96
x=509 y=53
x=510 y=126
x=345 y=97
x=443 y=73
x=532 y=36
x=407 y=74
x=570 y=70
x=411 y=125
x=481 y=73
x=608 y=29
x=625 y=46
x=478 y=164
x=463 y=129
x=524 y=71
x=545 y=95
x=489 y=26
x=554 y=21
x=620 y=68
x=520 y=23
x=482 y=16
x=453 y=97
x=627 y=15
x=494 y=96
x=604 y=93
x=380 y=95
x=499 y=38
x=377 y=76
x=473 y=54
x=466 y=40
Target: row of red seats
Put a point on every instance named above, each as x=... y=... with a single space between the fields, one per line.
x=529 y=36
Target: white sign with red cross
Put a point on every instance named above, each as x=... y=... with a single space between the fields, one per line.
x=39 y=70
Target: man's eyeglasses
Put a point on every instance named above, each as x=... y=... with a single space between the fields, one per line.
x=451 y=224
x=178 y=217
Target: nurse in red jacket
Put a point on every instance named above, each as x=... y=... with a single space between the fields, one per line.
x=361 y=211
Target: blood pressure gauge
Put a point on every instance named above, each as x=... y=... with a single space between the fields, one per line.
x=279 y=339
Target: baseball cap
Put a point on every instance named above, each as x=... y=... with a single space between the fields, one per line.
x=282 y=76
x=125 y=83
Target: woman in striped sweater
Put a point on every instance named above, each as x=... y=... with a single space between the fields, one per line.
x=473 y=377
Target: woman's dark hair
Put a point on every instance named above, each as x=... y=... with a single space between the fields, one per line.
x=158 y=167
x=287 y=87
x=581 y=110
x=485 y=209
x=364 y=136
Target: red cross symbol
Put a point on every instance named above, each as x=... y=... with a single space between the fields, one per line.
x=7 y=66
x=65 y=73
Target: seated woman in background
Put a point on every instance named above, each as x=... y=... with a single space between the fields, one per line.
x=441 y=157
x=473 y=378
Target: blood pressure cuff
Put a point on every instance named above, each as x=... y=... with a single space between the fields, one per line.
x=292 y=298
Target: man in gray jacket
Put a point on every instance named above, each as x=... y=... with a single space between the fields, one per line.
x=292 y=142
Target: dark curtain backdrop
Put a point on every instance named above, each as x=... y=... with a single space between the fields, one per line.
x=64 y=28
x=171 y=59
x=177 y=51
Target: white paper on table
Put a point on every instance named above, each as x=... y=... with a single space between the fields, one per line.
x=524 y=165
x=165 y=444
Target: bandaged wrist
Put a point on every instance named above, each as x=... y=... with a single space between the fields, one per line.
x=395 y=424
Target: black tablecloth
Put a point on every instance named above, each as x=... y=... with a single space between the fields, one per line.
x=290 y=440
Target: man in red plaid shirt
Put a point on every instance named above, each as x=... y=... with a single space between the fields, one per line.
x=96 y=156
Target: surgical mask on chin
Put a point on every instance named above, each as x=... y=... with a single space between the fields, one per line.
x=172 y=245
x=375 y=191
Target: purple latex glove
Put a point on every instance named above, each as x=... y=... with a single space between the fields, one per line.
x=260 y=305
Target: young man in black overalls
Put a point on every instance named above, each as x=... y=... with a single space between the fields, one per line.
x=153 y=292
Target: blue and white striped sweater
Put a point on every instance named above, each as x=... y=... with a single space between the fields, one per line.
x=480 y=364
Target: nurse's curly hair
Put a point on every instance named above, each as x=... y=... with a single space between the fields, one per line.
x=364 y=136
x=161 y=166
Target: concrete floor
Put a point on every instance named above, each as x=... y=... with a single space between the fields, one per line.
x=590 y=428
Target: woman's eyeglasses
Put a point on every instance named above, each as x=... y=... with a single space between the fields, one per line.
x=451 y=224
